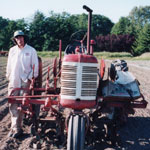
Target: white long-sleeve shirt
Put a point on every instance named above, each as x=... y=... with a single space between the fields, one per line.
x=20 y=65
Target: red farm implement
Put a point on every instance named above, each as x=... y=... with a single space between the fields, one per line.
x=81 y=90
x=3 y=53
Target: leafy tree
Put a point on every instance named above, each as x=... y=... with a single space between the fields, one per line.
x=3 y=24
x=142 y=43
x=131 y=29
x=21 y=24
x=140 y=16
x=9 y=31
x=45 y=32
x=7 y=28
x=122 y=27
x=7 y=34
x=74 y=20
x=37 y=30
x=58 y=27
x=82 y=21
x=101 y=25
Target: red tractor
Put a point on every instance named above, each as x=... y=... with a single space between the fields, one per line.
x=82 y=90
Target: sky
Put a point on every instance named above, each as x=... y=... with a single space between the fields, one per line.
x=113 y=9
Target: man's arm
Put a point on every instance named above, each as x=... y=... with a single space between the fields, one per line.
x=8 y=67
x=35 y=63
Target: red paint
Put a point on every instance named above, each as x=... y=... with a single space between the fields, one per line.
x=80 y=58
x=78 y=105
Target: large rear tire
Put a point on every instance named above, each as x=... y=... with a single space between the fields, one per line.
x=76 y=133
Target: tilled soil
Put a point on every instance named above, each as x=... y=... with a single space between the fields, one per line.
x=134 y=135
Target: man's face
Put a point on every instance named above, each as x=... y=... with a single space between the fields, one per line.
x=20 y=41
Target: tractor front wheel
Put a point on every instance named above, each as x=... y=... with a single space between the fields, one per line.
x=76 y=133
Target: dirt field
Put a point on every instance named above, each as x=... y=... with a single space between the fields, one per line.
x=135 y=135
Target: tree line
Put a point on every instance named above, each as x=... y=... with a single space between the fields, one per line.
x=44 y=32
x=129 y=34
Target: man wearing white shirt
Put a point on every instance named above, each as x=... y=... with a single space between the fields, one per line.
x=19 y=72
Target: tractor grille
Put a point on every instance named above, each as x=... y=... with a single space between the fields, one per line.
x=68 y=82
x=89 y=69
x=70 y=92
x=88 y=93
x=69 y=68
x=79 y=80
x=89 y=85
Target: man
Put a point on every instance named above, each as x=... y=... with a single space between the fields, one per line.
x=19 y=72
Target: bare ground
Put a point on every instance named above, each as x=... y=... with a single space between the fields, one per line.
x=135 y=135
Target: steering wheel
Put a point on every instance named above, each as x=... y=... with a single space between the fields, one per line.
x=76 y=40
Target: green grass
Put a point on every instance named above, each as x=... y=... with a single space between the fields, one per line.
x=114 y=55
x=48 y=54
x=99 y=55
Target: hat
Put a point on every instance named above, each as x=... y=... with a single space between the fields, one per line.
x=18 y=33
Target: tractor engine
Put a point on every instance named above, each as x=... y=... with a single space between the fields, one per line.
x=79 y=81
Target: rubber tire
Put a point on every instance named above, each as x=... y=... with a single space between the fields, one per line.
x=76 y=133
